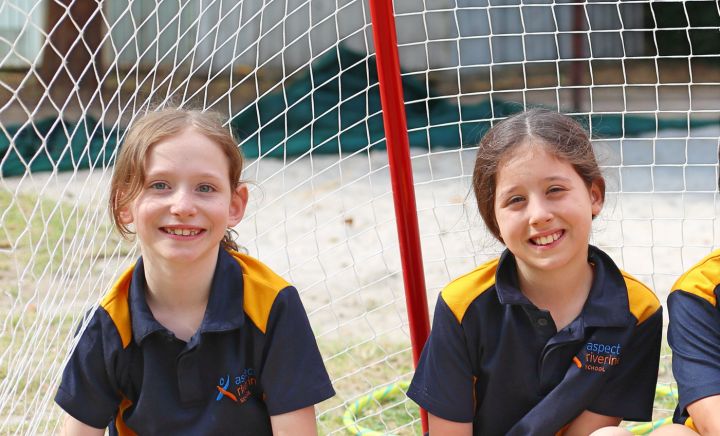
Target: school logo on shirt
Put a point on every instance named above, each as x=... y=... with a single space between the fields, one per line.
x=237 y=388
x=598 y=357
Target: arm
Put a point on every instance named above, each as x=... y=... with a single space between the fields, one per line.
x=299 y=422
x=439 y=426
x=73 y=427
x=443 y=383
x=704 y=414
x=629 y=392
x=87 y=393
x=694 y=336
x=588 y=421
x=293 y=375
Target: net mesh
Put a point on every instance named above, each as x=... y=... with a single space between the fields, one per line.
x=297 y=80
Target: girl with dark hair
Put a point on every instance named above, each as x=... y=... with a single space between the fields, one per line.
x=551 y=337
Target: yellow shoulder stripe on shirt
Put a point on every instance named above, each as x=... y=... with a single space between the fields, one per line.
x=461 y=292
x=702 y=279
x=117 y=306
x=261 y=285
x=260 y=288
x=642 y=301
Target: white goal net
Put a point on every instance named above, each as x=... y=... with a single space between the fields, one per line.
x=297 y=80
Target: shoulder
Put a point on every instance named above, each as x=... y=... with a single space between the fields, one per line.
x=261 y=287
x=116 y=305
x=258 y=275
x=461 y=292
x=642 y=302
x=702 y=279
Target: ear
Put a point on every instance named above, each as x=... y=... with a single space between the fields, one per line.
x=596 y=198
x=238 y=202
x=125 y=216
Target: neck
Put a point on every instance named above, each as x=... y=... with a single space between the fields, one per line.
x=177 y=295
x=171 y=285
x=562 y=292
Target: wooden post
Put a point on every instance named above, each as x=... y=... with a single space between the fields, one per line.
x=71 y=55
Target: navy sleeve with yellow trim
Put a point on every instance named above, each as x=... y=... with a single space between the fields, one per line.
x=630 y=393
x=694 y=333
x=293 y=374
x=443 y=383
x=87 y=391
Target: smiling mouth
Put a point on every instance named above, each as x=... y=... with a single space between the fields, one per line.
x=180 y=232
x=546 y=240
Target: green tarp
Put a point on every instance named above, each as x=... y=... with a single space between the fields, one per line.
x=334 y=107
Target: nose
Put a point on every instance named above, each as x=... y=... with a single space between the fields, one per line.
x=539 y=211
x=183 y=203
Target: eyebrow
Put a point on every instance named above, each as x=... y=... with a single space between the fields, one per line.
x=546 y=179
x=165 y=173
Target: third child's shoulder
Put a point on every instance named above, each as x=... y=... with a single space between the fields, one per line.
x=702 y=278
x=642 y=300
x=462 y=291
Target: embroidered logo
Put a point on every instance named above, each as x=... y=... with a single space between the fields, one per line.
x=237 y=388
x=598 y=357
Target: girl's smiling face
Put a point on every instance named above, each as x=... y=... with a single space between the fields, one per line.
x=544 y=209
x=187 y=200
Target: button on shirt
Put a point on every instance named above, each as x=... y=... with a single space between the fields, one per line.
x=496 y=360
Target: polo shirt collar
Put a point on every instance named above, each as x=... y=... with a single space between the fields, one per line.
x=607 y=304
x=224 y=310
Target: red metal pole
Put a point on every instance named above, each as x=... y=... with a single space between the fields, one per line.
x=398 y=147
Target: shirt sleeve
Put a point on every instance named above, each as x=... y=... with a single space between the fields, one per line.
x=630 y=392
x=293 y=373
x=86 y=392
x=443 y=383
x=694 y=337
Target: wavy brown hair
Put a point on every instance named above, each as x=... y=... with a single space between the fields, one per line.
x=559 y=134
x=129 y=175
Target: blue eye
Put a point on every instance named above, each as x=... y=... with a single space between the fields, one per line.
x=206 y=188
x=159 y=185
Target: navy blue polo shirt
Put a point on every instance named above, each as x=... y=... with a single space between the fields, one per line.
x=694 y=334
x=496 y=360
x=253 y=356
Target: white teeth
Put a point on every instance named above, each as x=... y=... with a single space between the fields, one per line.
x=181 y=232
x=544 y=240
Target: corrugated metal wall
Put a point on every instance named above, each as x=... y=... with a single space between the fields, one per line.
x=204 y=35
x=294 y=31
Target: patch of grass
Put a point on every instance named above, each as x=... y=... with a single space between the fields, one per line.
x=40 y=231
x=359 y=369
x=54 y=247
x=27 y=366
